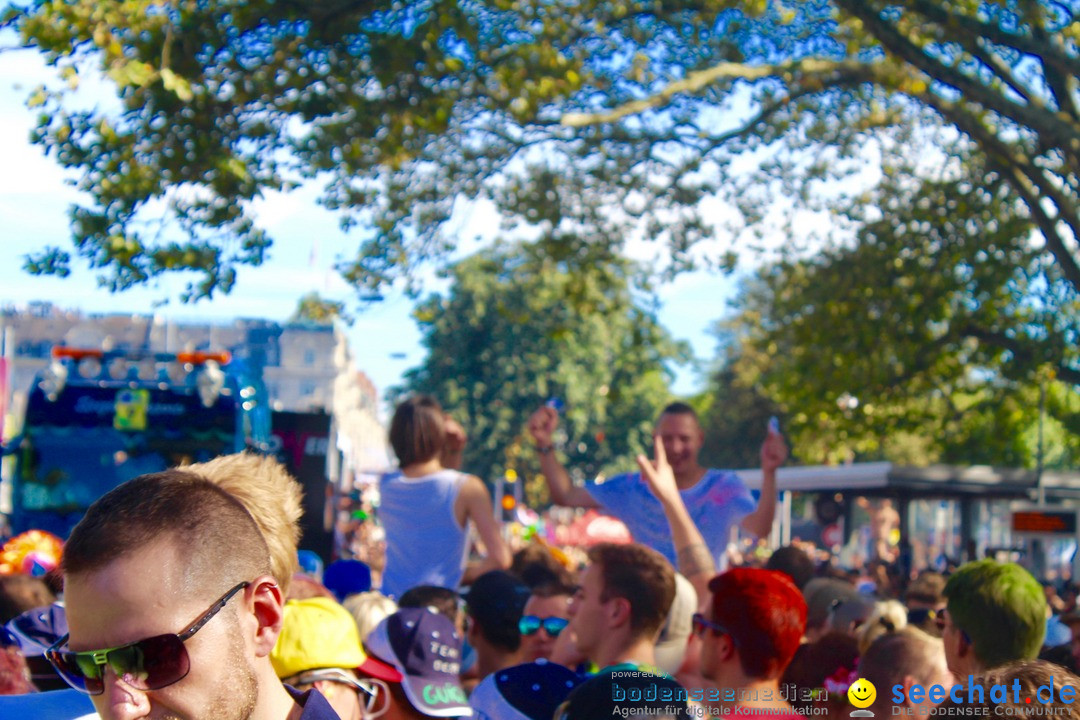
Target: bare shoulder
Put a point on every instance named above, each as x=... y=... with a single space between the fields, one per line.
x=474 y=487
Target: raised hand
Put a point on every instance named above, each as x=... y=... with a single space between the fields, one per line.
x=454 y=435
x=774 y=451
x=542 y=425
x=658 y=475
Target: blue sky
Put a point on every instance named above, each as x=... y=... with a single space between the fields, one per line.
x=385 y=340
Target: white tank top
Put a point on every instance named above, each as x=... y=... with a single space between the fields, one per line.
x=424 y=544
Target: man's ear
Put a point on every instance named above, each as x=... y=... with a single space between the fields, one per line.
x=619 y=612
x=908 y=682
x=725 y=648
x=964 y=647
x=268 y=607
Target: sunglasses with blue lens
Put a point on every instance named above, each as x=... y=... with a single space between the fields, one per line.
x=531 y=624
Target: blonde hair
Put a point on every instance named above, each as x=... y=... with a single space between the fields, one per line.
x=887 y=617
x=368 y=610
x=271 y=496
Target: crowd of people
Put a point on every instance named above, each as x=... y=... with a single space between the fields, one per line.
x=183 y=597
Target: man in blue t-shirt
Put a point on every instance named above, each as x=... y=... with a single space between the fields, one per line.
x=715 y=499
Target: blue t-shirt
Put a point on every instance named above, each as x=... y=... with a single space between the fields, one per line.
x=716 y=503
x=51 y=705
x=316 y=707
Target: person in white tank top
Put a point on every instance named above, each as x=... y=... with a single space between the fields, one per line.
x=426 y=508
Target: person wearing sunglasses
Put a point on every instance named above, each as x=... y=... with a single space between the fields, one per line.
x=750 y=630
x=319 y=647
x=493 y=607
x=546 y=615
x=172 y=608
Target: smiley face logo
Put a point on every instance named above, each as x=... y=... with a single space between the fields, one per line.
x=862 y=693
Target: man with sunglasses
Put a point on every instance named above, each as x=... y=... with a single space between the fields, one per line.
x=493 y=608
x=546 y=615
x=750 y=631
x=172 y=608
x=996 y=613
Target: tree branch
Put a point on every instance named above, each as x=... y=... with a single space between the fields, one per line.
x=1063 y=133
x=1055 y=78
x=1018 y=350
x=699 y=80
x=1026 y=179
x=1049 y=53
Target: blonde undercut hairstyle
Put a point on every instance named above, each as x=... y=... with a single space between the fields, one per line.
x=272 y=498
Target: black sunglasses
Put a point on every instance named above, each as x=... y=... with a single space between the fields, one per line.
x=149 y=664
x=531 y=624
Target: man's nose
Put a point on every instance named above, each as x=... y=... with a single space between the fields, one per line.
x=120 y=701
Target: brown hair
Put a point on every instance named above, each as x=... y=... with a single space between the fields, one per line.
x=19 y=593
x=679 y=408
x=893 y=656
x=1034 y=677
x=417 y=431
x=642 y=576
x=220 y=540
x=272 y=498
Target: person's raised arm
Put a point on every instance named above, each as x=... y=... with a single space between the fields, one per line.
x=542 y=426
x=481 y=512
x=773 y=454
x=693 y=558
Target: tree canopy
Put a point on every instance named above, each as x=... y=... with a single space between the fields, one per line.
x=611 y=118
x=927 y=339
x=523 y=325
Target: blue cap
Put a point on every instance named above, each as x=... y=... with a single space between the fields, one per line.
x=347 y=577
x=35 y=631
x=532 y=691
x=310 y=564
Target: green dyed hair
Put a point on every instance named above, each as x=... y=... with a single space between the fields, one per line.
x=1002 y=609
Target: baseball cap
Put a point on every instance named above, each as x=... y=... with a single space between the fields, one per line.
x=319 y=633
x=632 y=692
x=347 y=577
x=671 y=646
x=310 y=563
x=34 y=632
x=820 y=594
x=532 y=691
x=496 y=599
x=426 y=650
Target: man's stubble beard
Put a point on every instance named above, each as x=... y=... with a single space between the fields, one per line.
x=235 y=696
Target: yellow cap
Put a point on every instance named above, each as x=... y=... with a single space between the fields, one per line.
x=316 y=633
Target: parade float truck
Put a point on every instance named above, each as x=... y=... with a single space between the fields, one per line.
x=95 y=419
